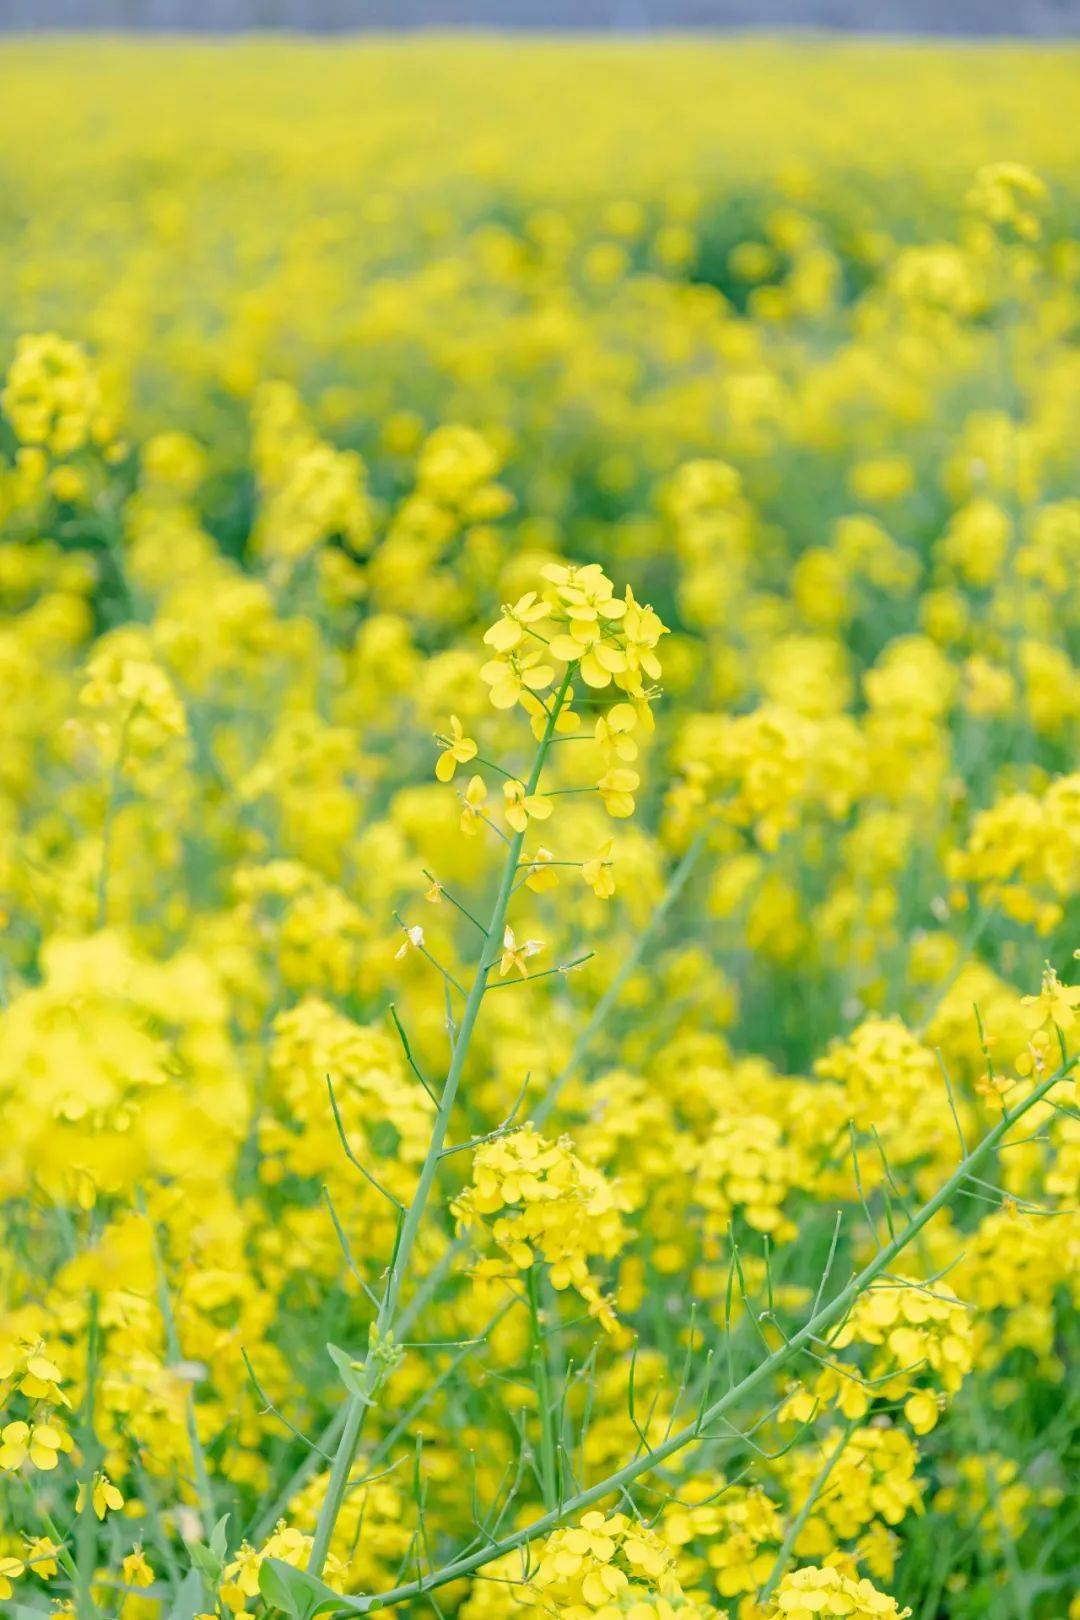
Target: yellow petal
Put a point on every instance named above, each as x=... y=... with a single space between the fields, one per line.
x=593 y=673
x=504 y=635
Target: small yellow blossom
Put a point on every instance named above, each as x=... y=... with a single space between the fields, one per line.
x=10 y=1570
x=617 y=788
x=41 y=1556
x=459 y=750
x=42 y=1443
x=516 y=953
x=104 y=1496
x=472 y=803
x=521 y=807
x=599 y=873
x=136 y=1569
x=540 y=872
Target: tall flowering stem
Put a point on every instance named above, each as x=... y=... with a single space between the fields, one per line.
x=383 y=1332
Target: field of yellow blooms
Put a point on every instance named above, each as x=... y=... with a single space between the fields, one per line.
x=539 y=831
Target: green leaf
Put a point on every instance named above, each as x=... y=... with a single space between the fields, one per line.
x=351 y=1369
x=206 y=1561
x=218 y=1543
x=300 y=1595
x=275 y=1584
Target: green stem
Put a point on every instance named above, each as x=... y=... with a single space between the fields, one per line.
x=384 y=1326
x=548 y=1477
x=204 y=1489
x=85 y=1527
x=794 y=1529
x=55 y=1535
x=546 y=1105
x=1008 y=1544
x=824 y=1317
x=680 y=875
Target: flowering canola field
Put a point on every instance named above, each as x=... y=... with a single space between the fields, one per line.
x=539 y=831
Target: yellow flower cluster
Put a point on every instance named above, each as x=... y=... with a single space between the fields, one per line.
x=315 y=1050
x=1009 y=196
x=814 y=1590
x=745 y=1164
x=310 y=491
x=42 y=1436
x=872 y=1483
x=134 y=705
x=893 y=1085
x=606 y=1567
x=986 y=1489
x=239 y=1587
x=595 y=1567
x=577 y=626
x=543 y=1202
x=730 y=1540
x=1023 y=854
x=768 y=769
x=915 y=1333
x=52 y=396
x=1011 y=1271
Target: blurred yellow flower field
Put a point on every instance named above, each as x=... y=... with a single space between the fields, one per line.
x=539 y=830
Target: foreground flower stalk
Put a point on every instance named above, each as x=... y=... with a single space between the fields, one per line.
x=383 y=1331
x=607 y=640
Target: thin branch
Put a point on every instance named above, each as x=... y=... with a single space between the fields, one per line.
x=359 y=1402
x=952 y=1102
x=531 y=978
x=204 y=1489
x=795 y=1527
x=351 y=1156
x=871 y=1223
x=410 y=1060
x=890 y=1178
x=500 y=1130
x=750 y=1310
x=465 y=912
x=268 y=1406
x=828 y=1262
x=418 y=945
x=346 y=1249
